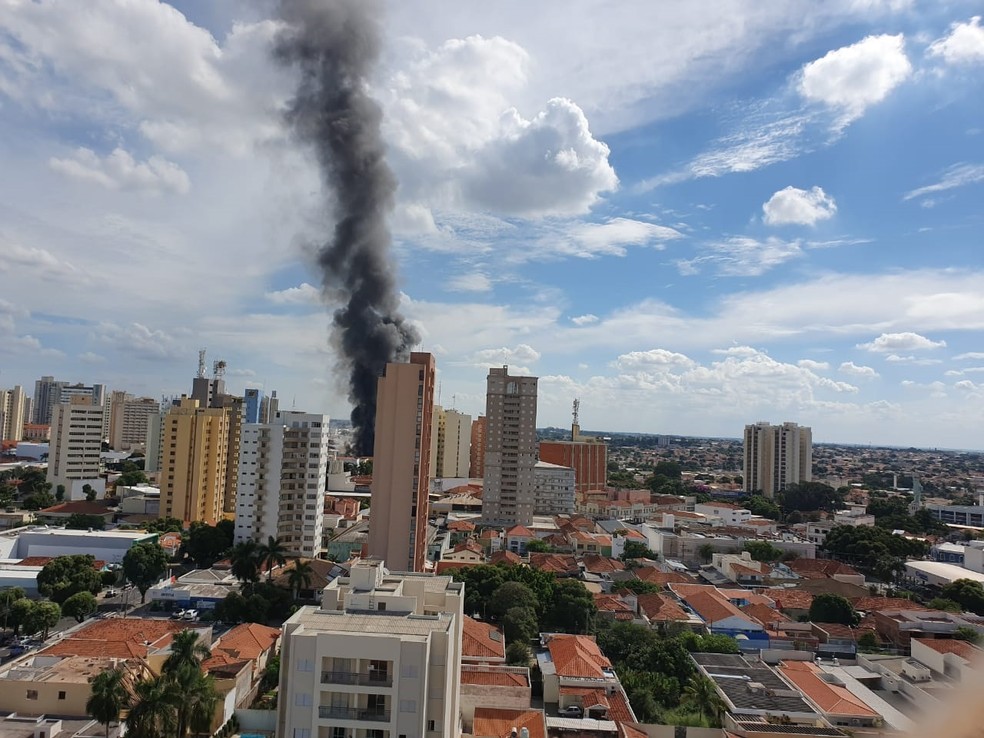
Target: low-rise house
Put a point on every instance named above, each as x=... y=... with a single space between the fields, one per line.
x=741 y=568
x=791 y=601
x=616 y=607
x=600 y=565
x=812 y=568
x=481 y=642
x=723 y=513
x=662 y=611
x=497 y=722
x=952 y=658
x=497 y=687
x=719 y=614
x=898 y=627
x=517 y=537
x=657 y=576
x=466 y=552
x=560 y=565
x=829 y=696
x=506 y=557
x=571 y=664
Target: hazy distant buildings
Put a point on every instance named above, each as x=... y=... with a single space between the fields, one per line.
x=49 y=392
x=281 y=481
x=450 y=443
x=129 y=418
x=252 y=404
x=12 y=404
x=510 y=449
x=776 y=456
x=194 y=454
x=476 y=454
x=401 y=463
x=76 y=445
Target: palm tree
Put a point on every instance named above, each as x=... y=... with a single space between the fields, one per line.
x=198 y=707
x=153 y=714
x=702 y=695
x=271 y=554
x=245 y=562
x=706 y=552
x=299 y=577
x=187 y=652
x=109 y=697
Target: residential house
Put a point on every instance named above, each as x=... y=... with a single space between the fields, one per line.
x=662 y=611
x=481 y=642
x=719 y=614
x=493 y=687
x=949 y=657
x=517 y=537
x=829 y=696
x=498 y=722
x=560 y=565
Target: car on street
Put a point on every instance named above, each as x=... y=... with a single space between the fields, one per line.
x=111 y=593
x=190 y=615
x=571 y=711
x=177 y=614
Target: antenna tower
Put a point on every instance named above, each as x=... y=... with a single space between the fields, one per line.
x=218 y=369
x=201 y=363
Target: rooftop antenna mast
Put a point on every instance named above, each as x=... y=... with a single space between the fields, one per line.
x=201 y=363
x=576 y=428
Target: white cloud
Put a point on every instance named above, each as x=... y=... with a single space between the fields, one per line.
x=120 y=171
x=854 y=370
x=959 y=175
x=89 y=357
x=741 y=256
x=963 y=45
x=855 y=77
x=816 y=366
x=40 y=261
x=514 y=357
x=971 y=355
x=898 y=359
x=792 y=205
x=139 y=341
x=894 y=342
x=303 y=294
x=586 y=319
x=589 y=240
x=472 y=282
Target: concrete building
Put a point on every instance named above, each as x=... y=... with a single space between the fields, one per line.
x=236 y=407
x=554 y=489
x=588 y=458
x=12 y=404
x=194 y=455
x=401 y=463
x=281 y=482
x=253 y=403
x=380 y=657
x=269 y=407
x=49 y=392
x=776 y=456
x=152 y=443
x=76 y=443
x=450 y=443
x=476 y=453
x=510 y=449
x=724 y=513
x=129 y=420
x=105 y=545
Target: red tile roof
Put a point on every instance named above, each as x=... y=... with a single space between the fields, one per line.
x=655 y=576
x=555 y=563
x=964 y=649
x=520 y=531
x=42 y=560
x=117 y=638
x=498 y=722
x=443 y=567
x=764 y=614
x=789 y=599
x=601 y=564
x=661 y=608
x=616 y=704
x=867 y=604
x=481 y=640
x=506 y=557
x=492 y=677
x=83 y=507
x=614 y=604
x=830 y=698
x=465 y=526
x=248 y=641
x=820 y=568
x=577 y=656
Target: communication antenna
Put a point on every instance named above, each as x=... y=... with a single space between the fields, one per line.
x=577 y=407
x=201 y=363
x=218 y=369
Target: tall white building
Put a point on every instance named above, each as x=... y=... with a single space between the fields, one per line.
x=76 y=444
x=281 y=486
x=450 y=444
x=776 y=456
x=510 y=449
x=379 y=659
x=12 y=404
x=49 y=392
x=555 y=489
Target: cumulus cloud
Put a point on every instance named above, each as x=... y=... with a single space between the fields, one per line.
x=520 y=355
x=139 y=341
x=473 y=282
x=959 y=175
x=303 y=294
x=963 y=45
x=855 y=370
x=120 y=171
x=971 y=355
x=792 y=205
x=901 y=359
x=611 y=238
x=741 y=256
x=586 y=319
x=40 y=261
x=895 y=342
x=852 y=78
x=816 y=366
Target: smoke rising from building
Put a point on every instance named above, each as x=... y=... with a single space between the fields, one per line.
x=334 y=45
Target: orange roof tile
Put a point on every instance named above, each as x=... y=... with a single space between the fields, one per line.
x=481 y=640
x=520 y=531
x=964 y=649
x=655 y=576
x=505 y=557
x=443 y=567
x=630 y=731
x=616 y=704
x=117 y=638
x=789 y=599
x=498 y=722
x=614 y=604
x=601 y=564
x=661 y=608
x=577 y=656
x=555 y=563
x=248 y=641
x=825 y=568
x=866 y=604
x=830 y=698
x=764 y=614
x=461 y=525
x=492 y=677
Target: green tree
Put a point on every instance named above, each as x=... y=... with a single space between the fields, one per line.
x=966 y=593
x=60 y=493
x=80 y=606
x=64 y=576
x=941 y=603
x=20 y=614
x=510 y=595
x=109 y=697
x=89 y=492
x=205 y=544
x=868 y=642
x=965 y=633
x=518 y=654
x=519 y=624
x=668 y=469
x=832 y=608
x=572 y=609
x=763 y=507
x=165 y=525
x=711 y=643
x=245 y=559
x=763 y=551
x=183 y=667
x=144 y=564
x=132 y=478
x=272 y=553
x=8 y=596
x=43 y=616
x=152 y=713
x=811 y=496
x=706 y=552
x=187 y=651
x=637 y=550
x=538 y=545
x=702 y=695
x=299 y=577
x=82 y=521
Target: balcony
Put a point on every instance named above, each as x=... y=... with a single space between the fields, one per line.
x=363 y=679
x=374 y=714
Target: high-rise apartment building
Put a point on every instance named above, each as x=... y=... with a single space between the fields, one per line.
x=776 y=456
x=510 y=449
x=588 y=458
x=269 y=407
x=49 y=392
x=450 y=443
x=554 y=489
x=45 y=391
x=401 y=463
x=194 y=455
x=12 y=404
x=129 y=419
x=152 y=444
x=379 y=659
x=253 y=404
x=281 y=485
x=236 y=407
x=76 y=445
x=476 y=454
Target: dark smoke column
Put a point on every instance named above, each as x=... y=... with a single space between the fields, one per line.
x=334 y=44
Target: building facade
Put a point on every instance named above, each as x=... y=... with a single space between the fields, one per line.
x=510 y=449
x=776 y=456
x=281 y=482
x=194 y=454
x=589 y=459
x=12 y=404
x=476 y=454
x=76 y=445
x=450 y=444
x=253 y=403
x=401 y=463
x=380 y=658
x=49 y=392
x=554 y=489
x=129 y=419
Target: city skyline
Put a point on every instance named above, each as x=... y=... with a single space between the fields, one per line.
x=690 y=219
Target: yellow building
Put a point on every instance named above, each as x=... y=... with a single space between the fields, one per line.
x=194 y=462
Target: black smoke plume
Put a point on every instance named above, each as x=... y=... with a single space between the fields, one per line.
x=334 y=45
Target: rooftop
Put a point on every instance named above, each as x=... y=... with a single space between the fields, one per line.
x=481 y=640
x=831 y=698
x=751 y=686
x=494 y=676
x=247 y=641
x=315 y=620
x=117 y=638
x=964 y=649
x=578 y=656
x=497 y=722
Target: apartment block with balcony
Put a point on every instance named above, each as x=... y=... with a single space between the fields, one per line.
x=76 y=445
x=379 y=659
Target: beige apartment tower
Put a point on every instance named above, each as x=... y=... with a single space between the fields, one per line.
x=476 y=456
x=776 y=456
x=510 y=449
x=401 y=463
x=12 y=411
x=450 y=443
x=76 y=445
x=129 y=418
x=194 y=454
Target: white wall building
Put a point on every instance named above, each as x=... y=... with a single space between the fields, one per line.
x=104 y=545
x=724 y=512
x=129 y=419
x=381 y=657
x=281 y=487
x=776 y=456
x=76 y=443
x=555 y=489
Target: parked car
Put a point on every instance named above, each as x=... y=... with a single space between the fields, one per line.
x=177 y=614
x=111 y=593
x=190 y=615
x=571 y=711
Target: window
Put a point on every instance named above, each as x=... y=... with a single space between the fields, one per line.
x=61 y=695
x=381 y=606
x=305 y=665
x=302 y=699
x=408 y=706
x=337 y=732
x=32 y=694
x=302 y=733
x=431 y=725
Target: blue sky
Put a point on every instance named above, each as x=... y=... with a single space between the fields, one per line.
x=691 y=215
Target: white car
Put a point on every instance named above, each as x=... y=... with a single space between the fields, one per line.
x=190 y=615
